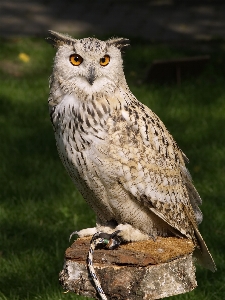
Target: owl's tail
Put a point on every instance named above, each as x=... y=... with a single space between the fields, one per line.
x=203 y=255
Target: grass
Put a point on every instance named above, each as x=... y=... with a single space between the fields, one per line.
x=39 y=206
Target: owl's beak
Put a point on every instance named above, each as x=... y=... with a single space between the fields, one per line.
x=91 y=75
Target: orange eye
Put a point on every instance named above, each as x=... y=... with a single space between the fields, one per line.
x=76 y=59
x=104 y=60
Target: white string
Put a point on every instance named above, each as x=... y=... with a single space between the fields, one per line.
x=94 y=243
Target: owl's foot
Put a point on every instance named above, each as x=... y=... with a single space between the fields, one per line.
x=84 y=232
x=91 y=231
x=128 y=233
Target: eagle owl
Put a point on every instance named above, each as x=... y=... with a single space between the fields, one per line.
x=118 y=153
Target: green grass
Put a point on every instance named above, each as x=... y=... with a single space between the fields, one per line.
x=39 y=206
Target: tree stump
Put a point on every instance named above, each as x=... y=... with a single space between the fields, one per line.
x=137 y=270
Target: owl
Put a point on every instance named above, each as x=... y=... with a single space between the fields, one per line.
x=118 y=153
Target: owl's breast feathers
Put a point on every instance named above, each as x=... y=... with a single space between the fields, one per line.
x=123 y=141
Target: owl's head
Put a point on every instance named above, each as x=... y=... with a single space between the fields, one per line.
x=88 y=64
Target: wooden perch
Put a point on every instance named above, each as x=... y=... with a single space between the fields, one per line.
x=137 y=270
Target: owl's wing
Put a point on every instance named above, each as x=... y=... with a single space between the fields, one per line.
x=152 y=169
x=152 y=166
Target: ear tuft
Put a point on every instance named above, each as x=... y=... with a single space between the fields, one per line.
x=58 y=39
x=120 y=43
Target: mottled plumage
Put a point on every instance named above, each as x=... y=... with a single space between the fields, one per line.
x=117 y=151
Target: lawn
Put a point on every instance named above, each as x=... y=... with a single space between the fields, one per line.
x=40 y=207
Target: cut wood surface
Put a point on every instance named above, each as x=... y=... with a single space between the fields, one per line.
x=137 y=270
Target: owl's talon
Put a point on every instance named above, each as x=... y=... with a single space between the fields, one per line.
x=73 y=233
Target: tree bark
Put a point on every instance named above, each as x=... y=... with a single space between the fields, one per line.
x=138 y=270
